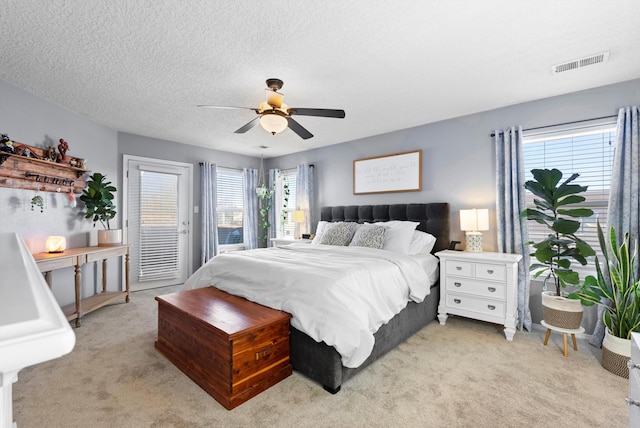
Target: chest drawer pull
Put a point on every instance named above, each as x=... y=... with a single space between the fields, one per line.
x=457 y=300
x=458 y=267
x=631 y=402
x=457 y=284
x=264 y=353
x=492 y=289
x=490 y=271
x=492 y=307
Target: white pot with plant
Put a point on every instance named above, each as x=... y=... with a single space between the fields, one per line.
x=617 y=288
x=557 y=208
x=98 y=200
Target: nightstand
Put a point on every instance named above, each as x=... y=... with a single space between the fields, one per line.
x=284 y=241
x=482 y=286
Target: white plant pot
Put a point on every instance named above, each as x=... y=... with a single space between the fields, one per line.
x=616 y=351
x=109 y=238
x=560 y=311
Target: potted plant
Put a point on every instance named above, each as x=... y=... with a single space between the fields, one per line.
x=98 y=200
x=616 y=287
x=555 y=207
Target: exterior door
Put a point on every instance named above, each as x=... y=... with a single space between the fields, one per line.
x=157 y=224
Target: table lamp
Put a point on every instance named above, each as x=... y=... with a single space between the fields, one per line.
x=56 y=244
x=298 y=217
x=472 y=222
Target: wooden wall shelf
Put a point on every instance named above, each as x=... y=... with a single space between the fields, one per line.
x=22 y=172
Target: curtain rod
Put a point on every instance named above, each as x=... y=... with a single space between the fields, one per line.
x=493 y=134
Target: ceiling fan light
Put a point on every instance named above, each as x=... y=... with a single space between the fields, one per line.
x=273 y=122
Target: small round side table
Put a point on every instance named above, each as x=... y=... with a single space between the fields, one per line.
x=564 y=332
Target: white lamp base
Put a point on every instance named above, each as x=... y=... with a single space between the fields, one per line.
x=474 y=242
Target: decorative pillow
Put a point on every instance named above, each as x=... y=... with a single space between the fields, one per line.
x=398 y=235
x=421 y=243
x=319 y=231
x=338 y=233
x=368 y=235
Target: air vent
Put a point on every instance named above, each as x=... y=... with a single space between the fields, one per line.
x=579 y=63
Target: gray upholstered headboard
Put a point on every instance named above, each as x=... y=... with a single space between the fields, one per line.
x=433 y=217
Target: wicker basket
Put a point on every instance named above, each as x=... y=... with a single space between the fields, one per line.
x=616 y=352
x=562 y=319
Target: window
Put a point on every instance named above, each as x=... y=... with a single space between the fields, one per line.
x=587 y=150
x=230 y=206
x=286 y=224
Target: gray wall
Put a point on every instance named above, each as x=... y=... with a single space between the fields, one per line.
x=137 y=145
x=458 y=164
x=458 y=157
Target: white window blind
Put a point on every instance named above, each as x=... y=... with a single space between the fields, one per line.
x=159 y=255
x=587 y=150
x=287 y=229
x=230 y=206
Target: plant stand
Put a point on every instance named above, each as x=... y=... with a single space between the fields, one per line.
x=564 y=332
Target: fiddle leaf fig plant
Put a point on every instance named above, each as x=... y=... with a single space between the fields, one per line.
x=555 y=207
x=98 y=200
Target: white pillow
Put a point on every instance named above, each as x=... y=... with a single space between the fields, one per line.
x=398 y=235
x=421 y=243
x=322 y=225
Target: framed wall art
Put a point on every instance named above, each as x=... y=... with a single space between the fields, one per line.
x=400 y=172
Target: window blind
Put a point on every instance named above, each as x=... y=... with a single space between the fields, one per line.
x=158 y=233
x=587 y=150
x=230 y=206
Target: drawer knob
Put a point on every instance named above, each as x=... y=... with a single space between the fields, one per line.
x=492 y=289
x=457 y=300
x=492 y=307
x=631 y=402
x=631 y=365
x=490 y=271
x=457 y=284
x=458 y=267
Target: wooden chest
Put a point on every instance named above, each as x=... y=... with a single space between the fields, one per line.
x=233 y=348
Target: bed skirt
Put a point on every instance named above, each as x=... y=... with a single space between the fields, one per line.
x=323 y=363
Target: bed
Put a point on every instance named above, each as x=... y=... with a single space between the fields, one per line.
x=334 y=355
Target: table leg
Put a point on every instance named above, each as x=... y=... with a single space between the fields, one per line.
x=47 y=277
x=126 y=275
x=78 y=280
x=546 y=338
x=564 y=338
x=104 y=275
x=575 y=345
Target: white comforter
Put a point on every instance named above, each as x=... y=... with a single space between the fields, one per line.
x=339 y=295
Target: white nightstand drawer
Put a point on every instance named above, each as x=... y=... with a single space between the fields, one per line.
x=456 y=267
x=478 y=288
x=493 y=272
x=468 y=303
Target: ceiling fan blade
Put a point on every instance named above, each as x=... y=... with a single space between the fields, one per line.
x=321 y=112
x=298 y=129
x=228 y=107
x=248 y=126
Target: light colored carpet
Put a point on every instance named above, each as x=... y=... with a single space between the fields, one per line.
x=464 y=374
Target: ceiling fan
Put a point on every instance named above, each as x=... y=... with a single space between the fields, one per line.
x=275 y=116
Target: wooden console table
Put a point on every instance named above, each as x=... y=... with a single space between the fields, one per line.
x=76 y=257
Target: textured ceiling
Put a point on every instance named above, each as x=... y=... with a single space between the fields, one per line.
x=142 y=66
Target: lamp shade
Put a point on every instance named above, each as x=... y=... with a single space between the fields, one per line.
x=474 y=219
x=273 y=122
x=56 y=244
x=298 y=216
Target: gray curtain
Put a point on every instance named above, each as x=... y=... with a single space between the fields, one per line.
x=624 y=202
x=250 y=202
x=510 y=202
x=304 y=198
x=208 y=202
x=275 y=214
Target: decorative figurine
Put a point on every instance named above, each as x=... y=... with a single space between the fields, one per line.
x=6 y=145
x=63 y=147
